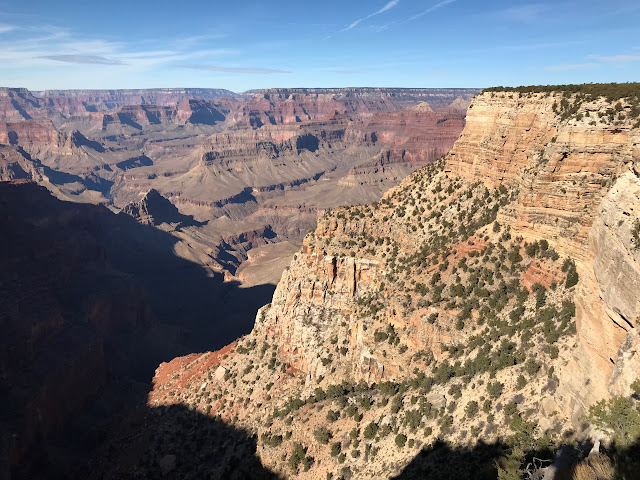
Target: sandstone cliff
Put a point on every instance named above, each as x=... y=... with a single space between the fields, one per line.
x=567 y=173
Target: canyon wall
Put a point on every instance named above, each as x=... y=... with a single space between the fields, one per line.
x=569 y=174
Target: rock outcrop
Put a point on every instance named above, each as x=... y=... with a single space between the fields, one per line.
x=154 y=209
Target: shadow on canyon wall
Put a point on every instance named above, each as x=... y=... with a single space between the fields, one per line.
x=90 y=304
x=172 y=443
x=441 y=461
x=176 y=442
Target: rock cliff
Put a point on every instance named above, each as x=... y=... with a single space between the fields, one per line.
x=568 y=172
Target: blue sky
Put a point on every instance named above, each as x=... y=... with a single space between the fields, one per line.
x=249 y=44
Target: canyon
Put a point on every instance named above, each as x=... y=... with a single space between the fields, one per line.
x=456 y=281
x=170 y=214
x=270 y=160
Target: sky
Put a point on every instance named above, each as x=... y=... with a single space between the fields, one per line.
x=247 y=44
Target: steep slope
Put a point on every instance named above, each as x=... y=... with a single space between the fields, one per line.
x=491 y=296
x=564 y=170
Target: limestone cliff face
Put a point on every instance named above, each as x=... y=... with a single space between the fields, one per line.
x=564 y=170
x=616 y=268
x=314 y=296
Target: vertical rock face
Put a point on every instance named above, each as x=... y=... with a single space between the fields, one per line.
x=614 y=246
x=564 y=170
x=314 y=295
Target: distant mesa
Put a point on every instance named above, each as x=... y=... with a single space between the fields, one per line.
x=460 y=104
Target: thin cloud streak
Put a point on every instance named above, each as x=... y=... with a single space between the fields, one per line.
x=251 y=71
x=42 y=44
x=387 y=7
x=435 y=7
x=83 y=59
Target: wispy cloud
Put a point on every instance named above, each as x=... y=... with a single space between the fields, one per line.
x=388 y=6
x=616 y=58
x=570 y=66
x=433 y=8
x=251 y=71
x=39 y=45
x=4 y=28
x=84 y=59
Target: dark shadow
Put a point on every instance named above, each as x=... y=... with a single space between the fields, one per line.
x=127 y=120
x=626 y=460
x=155 y=209
x=204 y=113
x=135 y=162
x=81 y=141
x=90 y=304
x=442 y=461
x=171 y=442
x=20 y=110
x=91 y=182
x=152 y=118
x=307 y=142
x=245 y=196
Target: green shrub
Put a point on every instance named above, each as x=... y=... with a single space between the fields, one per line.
x=401 y=440
x=332 y=416
x=322 y=435
x=297 y=456
x=620 y=417
x=370 y=430
x=531 y=367
x=471 y=409
x=495 y=389
x=336 y=448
